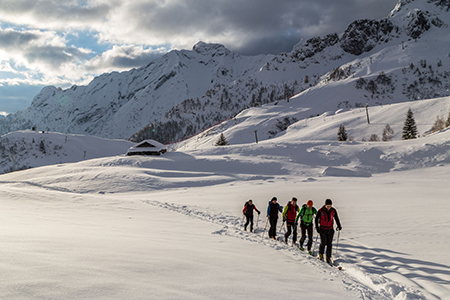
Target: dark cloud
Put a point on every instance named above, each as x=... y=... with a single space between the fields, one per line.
x=273 y=25
x=10 y=39
x=41 y=13
x=52 y=55
x=277 y=43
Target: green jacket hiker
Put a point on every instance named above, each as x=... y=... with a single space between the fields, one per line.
x=306 y=216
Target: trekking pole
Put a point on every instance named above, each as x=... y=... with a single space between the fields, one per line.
x=265 y=227
x=312 y=240
x=242 y=221
x=279 y=232
x=294 y=234
x=337 y=243
x=315 y=242
x=257 y=220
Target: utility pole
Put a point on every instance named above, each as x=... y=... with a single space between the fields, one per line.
x=367 y=113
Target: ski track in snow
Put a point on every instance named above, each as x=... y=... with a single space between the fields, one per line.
x=361 y=265
x=46 y=187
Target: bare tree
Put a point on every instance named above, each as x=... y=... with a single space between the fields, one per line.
x=387 y=134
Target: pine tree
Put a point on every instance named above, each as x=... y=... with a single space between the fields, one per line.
x=42 y=147
x=342 y=133
x=222 y=141
x=374 y=138
x=409 y=128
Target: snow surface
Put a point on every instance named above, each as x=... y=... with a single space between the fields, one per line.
x=170 y=227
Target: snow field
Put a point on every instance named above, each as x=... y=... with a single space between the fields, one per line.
x=187 y=242
x=68 y=246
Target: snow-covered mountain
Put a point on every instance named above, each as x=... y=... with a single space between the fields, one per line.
x=399 y=58
x=28 y=149
x=119 y=104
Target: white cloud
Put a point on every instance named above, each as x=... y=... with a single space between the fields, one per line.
x=122 y=57
x=36 y=55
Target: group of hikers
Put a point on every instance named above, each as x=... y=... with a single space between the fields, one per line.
x=292 y=214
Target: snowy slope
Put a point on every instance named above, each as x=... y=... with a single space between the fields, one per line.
x=28 y=149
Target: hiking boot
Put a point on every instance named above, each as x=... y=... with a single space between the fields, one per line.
x=301 y=248
x=329 y=260
x=320 y=256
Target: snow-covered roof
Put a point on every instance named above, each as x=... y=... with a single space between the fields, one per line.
x=147 y=147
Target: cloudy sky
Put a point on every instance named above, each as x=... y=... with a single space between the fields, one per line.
x=67 y=42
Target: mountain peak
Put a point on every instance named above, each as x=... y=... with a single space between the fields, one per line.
x=420 y=4
x=210 y=48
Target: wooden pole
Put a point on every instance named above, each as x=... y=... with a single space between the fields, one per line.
x=367 y=113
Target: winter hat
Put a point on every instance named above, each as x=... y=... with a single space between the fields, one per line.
x=274 y=198
x=328 y=202
x=294 y=199
x=309 y=203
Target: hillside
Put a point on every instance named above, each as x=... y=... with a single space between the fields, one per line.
x=289 y=121
x=402 y=57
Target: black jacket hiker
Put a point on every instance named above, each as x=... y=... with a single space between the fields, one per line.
x=272 y=214
x=248 y=212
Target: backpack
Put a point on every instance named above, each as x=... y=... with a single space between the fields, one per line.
x=305 y=206
x=248 y=210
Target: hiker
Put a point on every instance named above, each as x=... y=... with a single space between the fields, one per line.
x=289 y=213
x=324 y=225
x=248 y=212
x=306 y=216
x=272 y=214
